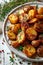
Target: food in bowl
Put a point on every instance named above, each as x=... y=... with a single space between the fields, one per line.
x=26 y=30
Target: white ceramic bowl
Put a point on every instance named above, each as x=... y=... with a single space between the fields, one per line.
x=20 y=54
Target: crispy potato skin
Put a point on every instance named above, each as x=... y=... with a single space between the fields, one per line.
x=38 y=27
x=41 y=36
x=14 y=44
x=11 y=35
x=29 y=50
x=40 y=51
x=31 y=13
x=35 y=43
x=16 y=27
x=24 y=26
x=23 y=18
x=21 y=11
x=13 y=18
x=26 y=8
x=32 y=7
x=39 y=16
x=40 y=11
x=26 y=42
x=34 y=20
x=31 y=34
x=21 y=37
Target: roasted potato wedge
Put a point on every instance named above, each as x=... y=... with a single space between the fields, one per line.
x=35 y=43
x=24 y=26
x=31 y=34
x=23 y=18
x=29 y=50
x=38 y=27
x=11 y=35
x=34 y=20
x=14 y=44
x=21 y=37
x=31 y=13
x=16 y=27
x=13 y=18
x=39 y=16
x=40 y=10
x=20 y=12
x=41 y=36
x=40 y=51
x=26 y=8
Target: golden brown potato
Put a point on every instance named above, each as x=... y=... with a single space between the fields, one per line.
x=34 y=20
x=21 y=11
x=41 y=41
x=39 y=16
x=16 y=27
x=13 y=18
x=40 y=10
x=29 y=50
x=40 y=51
x=33 y=7
x=26 y=42
x=23 y=18
x=31 y=34
x=35 y=43
x=21 y=37
x=31 y=14
x=11 y=35
x=38 y=27
x=14 y=43
x=41 y=36
x=10 y=27
x=24 y=26
x=26 y=8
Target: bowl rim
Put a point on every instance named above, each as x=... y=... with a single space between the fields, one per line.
x=20 y=54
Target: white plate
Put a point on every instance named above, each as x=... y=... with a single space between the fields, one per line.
x=19 y=53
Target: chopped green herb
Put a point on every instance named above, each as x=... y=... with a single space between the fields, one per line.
x=20 y=48
x=20 y=37
x=16 y=55
x=37 y=6
x=11 y=59
x=19 y=30
x=8 y=28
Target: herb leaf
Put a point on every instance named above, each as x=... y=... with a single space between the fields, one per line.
x=20 y=48
x=37 y=6
x=11 y=59
x=8 y=28
x=19 y=30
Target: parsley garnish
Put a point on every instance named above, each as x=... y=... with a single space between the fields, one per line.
x=11 y=59
x=37 y=6
x=20 y=48
x=8 y=28
x=19 y=30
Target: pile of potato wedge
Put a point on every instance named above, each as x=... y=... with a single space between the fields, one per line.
x=26 y=30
